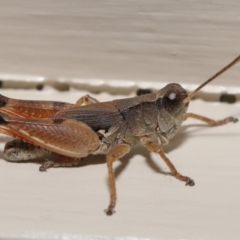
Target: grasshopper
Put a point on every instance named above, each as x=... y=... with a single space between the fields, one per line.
x=74 y=131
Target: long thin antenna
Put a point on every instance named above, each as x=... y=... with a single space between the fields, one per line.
x=188 y=98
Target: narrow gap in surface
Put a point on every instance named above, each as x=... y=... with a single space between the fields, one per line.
x=91 y=88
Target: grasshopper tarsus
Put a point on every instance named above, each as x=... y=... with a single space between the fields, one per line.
x=224 y=121
x=209 y=121
x=235 y=120
x=190 y=183
x=62 y=162
x=42 y=169
x=46 y=164
x=109 y=212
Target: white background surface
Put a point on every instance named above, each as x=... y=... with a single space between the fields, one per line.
x=174 y=41
x=148 y=41
x=150 y=205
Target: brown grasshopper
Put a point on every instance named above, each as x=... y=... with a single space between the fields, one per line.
x=112 y=128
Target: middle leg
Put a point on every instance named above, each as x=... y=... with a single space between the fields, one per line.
x=86 y=100
x=114 y=154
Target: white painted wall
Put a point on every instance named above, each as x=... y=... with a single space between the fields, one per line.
x=173 y=41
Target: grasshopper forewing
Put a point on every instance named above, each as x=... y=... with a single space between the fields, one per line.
x=111 y=128
x=38 y=109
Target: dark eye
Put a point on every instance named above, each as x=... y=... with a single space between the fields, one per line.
x=173 y=98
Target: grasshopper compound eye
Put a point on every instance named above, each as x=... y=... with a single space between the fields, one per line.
x=173 y=97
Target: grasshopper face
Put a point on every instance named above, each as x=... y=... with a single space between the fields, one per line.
x=171 y=108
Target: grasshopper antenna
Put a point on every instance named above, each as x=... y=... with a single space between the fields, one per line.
x=190 y=95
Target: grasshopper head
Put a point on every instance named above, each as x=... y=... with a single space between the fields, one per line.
x=172 y=103
x=171 y=99
x=171 y=108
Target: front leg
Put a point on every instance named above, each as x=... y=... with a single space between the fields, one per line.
x=210 y=121
x=155 y=147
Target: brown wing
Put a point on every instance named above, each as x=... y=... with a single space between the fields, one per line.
x=31 y=109
x=70 y=138
x=98 y=116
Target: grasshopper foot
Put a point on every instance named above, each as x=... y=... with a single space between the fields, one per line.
x=190 y=183
x=235 y=120
x=65 y=162
x=187 y=180
x=227 y=120
x=109 y=211
x=47 y=164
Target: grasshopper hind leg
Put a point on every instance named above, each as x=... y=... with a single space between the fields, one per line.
x=64 y=162
x=18 y=151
